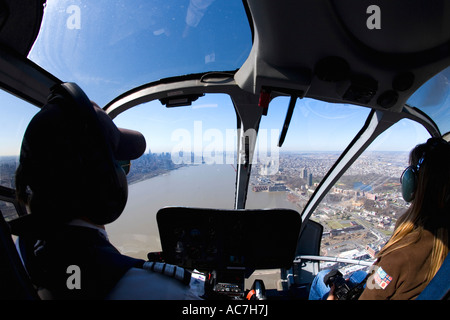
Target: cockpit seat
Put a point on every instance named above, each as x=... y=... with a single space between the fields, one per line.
x=15 y=283
x=439 y=286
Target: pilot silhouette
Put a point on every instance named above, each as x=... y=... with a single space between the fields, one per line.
x=72 y=177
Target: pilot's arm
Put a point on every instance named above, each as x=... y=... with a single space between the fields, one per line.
x=388 y=279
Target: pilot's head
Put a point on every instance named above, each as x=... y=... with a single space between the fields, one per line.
x=71 y=159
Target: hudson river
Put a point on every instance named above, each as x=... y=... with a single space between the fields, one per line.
x=135 y=233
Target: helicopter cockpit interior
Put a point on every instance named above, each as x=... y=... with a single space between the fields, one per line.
x=254 y=112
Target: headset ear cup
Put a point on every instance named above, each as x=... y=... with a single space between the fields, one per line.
x=113 y=200
x=409 y=184
x=118 y=196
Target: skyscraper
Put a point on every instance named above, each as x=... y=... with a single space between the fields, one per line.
x=304 y=173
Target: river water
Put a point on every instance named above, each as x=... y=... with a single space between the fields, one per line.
x=135 y=233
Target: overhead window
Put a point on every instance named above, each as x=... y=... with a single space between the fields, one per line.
x=433 y=98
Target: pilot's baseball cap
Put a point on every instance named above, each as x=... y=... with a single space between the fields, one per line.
x=49 y=128
x=126 y=144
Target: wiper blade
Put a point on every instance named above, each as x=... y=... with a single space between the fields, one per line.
x=287 y=121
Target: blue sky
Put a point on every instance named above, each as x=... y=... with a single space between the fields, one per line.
x=315 y=126
x=92 y=44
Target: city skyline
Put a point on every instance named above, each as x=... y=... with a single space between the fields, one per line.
x=367 y=216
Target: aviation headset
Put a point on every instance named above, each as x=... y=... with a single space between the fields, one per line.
x=408 y=181
x=103 y=189
x=410 y=176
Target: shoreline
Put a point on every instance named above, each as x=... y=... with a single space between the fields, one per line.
x=146 y=176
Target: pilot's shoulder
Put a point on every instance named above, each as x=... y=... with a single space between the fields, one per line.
x=141 y=284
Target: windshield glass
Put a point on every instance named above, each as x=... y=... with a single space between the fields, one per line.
x=109 y=47
x=317 y=135
x=360 y=212
x=12 y=128
x=190 y=161
x=433 y=98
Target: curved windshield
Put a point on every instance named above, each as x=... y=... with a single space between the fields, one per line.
x=360 y=212
x=109 y=47
x=317 y=135
x=433 y=98
x=190 y=161
x=287 y=177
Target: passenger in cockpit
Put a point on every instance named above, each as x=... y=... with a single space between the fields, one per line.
x=419 y=244
x=70 y=162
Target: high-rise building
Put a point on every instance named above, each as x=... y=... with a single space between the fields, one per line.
x=304 y=173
